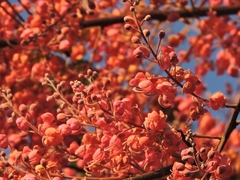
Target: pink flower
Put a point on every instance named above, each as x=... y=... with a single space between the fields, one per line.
x=47 y=117
x=137 y=79
x=141 y=52
x=29 y=177
x=156 y=121
x=22 y=123
x=233 y=70
x=52 y=137
x=64 y=45
x=167 y=57
x=123 y=109
x=80 y=151
x=74 y=125
x=26 y=33
x=164 y=86
x=73 y=147
x=215 y=2
x=137 y=143
x=181 y=171
x=105 y=140
x=114 y=142
x=217 y=100
x=69 y=171
x=144 y=83
x=99 y=155
x=218 y=164
x=64 y=129
x=223 y=61
x=78 y=51
x=166 y=99
x=34 y=157
x=231 y=2
x=3 y=141
x=187 y=155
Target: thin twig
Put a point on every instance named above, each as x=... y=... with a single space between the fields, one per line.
x=155 y=174
x=230 y=127
x=17 y=14
x=54 y=9
x=3 y=8
x=208 y=137
x=26 y=9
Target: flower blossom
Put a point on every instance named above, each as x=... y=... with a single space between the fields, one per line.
x=52 y=137
x=3 y=141
x=217 y=100
x=155 y=121
x=218 y=165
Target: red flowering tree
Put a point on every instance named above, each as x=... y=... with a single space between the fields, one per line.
x=100 y=89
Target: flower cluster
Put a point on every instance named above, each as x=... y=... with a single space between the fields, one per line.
x=202 y=164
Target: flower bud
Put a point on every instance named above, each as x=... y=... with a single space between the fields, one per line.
x=132 y=9
x=89 y=72
x=147 y=18
x=128 y=19
x=127 y=27
x=23 y=109
x=202 y=150
x=146 y=32
x=135 y=40
x=61 y=117
x=161 y=34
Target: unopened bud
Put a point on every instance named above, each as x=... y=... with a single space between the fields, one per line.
x=89 y=72
x=33 y=106
x=61 y=117
x=25 y=158
x=100 y=113
x=127 y=27
x=90 y=114
x=161 y=34
x=202 y=150
x=23 y=109
x=147 y=18
x=108 y=94
x=43 y=162
x=132 y=8
x=135 y=40
x=146 y=32
x=128 y=19
x=180 y=167
x=211 y=154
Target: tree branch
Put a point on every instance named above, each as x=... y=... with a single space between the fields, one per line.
x=151 y=175
x=8 y=43
x=162 y=15
x=230 y=127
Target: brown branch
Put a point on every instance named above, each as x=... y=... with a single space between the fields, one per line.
x=15 y=19
x=162 y=15
x=151 y=175
x=230 y=127
x=26 y=8
x=14 y=10
x=8 y=43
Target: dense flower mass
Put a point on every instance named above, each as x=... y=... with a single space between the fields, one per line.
x=98 y=90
